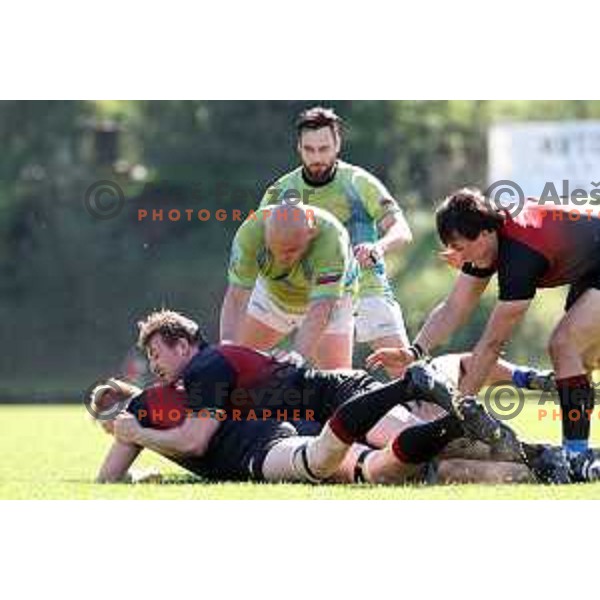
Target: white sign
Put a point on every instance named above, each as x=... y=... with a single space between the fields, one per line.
x=539 y=155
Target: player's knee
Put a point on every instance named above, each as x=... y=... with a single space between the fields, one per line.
x=303 y=469
x=560 y=343
x=314 y=465
x=591 y=359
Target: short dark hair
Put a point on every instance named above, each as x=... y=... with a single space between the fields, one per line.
x=171 y=326
x=318 y=117
x=466 y=213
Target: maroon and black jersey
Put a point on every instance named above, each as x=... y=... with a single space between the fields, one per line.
x=231 y=377
x=159 y=406
x=235 y=452
x=543 y=248
x=217 y=377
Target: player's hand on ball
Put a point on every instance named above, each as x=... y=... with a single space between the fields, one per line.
x=367 y=255
x=126 y=428
x=393 y=360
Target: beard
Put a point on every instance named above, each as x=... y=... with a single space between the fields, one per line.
x=318 y=173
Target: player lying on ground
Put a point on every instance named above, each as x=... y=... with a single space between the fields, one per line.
x=350 y=400
x=271 y=450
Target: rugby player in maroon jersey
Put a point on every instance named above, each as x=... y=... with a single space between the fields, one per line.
x=543 y=247
x=347 y=407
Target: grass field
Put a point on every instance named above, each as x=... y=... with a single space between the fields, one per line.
x=52 y=452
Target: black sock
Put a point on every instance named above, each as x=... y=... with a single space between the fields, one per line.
x=576 y=397
x=353 y=419
x=421 y=443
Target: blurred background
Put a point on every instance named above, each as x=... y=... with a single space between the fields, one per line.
x=75 y=277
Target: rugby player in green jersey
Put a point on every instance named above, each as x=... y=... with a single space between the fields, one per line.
x=292 y=269
x=366 y=208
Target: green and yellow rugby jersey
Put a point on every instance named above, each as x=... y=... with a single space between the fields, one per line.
x=357 y=198
x=327 y=270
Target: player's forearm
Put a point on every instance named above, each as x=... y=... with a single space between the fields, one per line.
x=442 y=322
x=233 y=313
x=483 y=359
x=397 y=236
x=168 y=442
x=115 y=467
x=192 y=437
x=312 y=327
x=498 y=330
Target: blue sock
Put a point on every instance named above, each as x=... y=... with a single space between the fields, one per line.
x=520 y=377
x=575 y=446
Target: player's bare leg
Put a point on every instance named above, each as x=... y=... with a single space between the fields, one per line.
x=591 y=358
x=320 y=457
x=335 y=351
x=256 y=334
x=577 y=332
x=503 y=371
x=308 y=459
x=393 y=423
x=377 y=466
x=336 y=344
x=365 y=465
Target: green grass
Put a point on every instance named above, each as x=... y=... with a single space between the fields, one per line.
x=52 y=452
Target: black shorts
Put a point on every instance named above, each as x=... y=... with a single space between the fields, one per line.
x=308 y=428
x=238 y=450
x=579 y=287
x=325 y=391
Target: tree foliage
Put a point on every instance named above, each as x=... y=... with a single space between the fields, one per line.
x=71 y=286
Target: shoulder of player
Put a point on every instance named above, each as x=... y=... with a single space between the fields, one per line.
x=513 y=229
x=326 y=218
x=331 y=230
x=252 y=228
x=209 y=363
x=286 y=179
x=356 y=173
